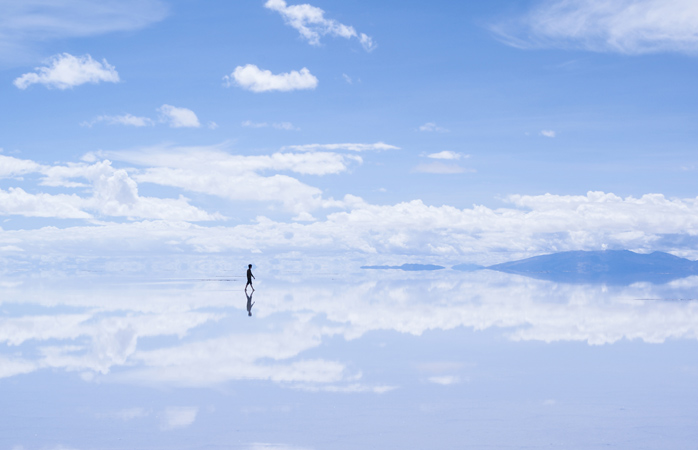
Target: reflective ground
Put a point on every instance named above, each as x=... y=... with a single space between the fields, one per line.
x=345 y=359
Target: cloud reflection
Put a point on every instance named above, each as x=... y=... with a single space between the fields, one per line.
x=296 y=316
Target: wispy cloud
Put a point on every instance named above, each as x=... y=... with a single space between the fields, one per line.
x=431 y=126
x=623 y=26
x=444 y=380
x=126 y=119
x=348 y=146
x=66 y=71
x=27 y=23
x=178 y=417
x=278 y=125
x=178 y=117
x=252 y=78
x=447 y=154
x=547 y=133
x=440 y=168
x=311 y=23
x=175 y=117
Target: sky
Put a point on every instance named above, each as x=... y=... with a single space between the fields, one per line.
x=433 y=131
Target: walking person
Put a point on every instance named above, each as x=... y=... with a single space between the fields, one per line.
x=249 y=277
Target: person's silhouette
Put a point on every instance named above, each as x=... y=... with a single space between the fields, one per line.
x=249 y=278
x=250 y=303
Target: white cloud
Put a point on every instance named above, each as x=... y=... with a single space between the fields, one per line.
x=15 y=201
x=67 y=71
x=250 y=124
x=624 y=26
x=311 y=23
x=548 y=133
x=447 y=154
x=347 y=78
x=212 y=171
x=440 y=168
x=28 y=22
x=126 y=119
x=252 y=78
x=12 y=167
x=278 y=125
x=114 y=193
x=431 y=126
x=178 y=417
x=178 y=117
x=356 y=147
x=212 y=125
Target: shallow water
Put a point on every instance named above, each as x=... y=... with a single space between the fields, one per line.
x=345 y=360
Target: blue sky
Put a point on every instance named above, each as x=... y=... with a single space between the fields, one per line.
x=440 y=129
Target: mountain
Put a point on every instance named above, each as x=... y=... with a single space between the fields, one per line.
x=618 y=267
x=407 y=267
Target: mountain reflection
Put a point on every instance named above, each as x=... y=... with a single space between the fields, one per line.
x=94 y=331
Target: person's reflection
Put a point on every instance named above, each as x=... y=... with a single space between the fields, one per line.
x=249 y=303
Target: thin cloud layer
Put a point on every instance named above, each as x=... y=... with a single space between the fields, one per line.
x=28 y=22
x=431 y=127
x=288 y=126
x=447 y=154
x=175 y=117
x=354 y=147
x=66 y=71
x=440 y=168
x=252 y=78
x=622 y=26
x=125 y=119
x=311 y=23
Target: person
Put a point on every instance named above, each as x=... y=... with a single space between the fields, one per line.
x=250 y=303
x=249 y=277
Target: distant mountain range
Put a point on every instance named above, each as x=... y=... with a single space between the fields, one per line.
x=613 y=267
x=609 y=266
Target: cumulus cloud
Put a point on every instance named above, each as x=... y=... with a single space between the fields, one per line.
x=447 y=154
x=126 y=119
x=356 y=147
x=548 y=133
x=431 y=126
x=178 y=117
x=114 y=193
x=66 y=71
x=311 y=23
x=178 y=417
x=252 y=78
x=26 y=23
x=213 y=171
x=623 y=26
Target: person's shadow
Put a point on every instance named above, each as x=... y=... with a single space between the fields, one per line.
x=250 y=303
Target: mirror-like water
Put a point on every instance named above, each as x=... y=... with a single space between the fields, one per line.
x=351 y=359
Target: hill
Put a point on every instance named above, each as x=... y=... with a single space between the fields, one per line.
x=608 y=266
